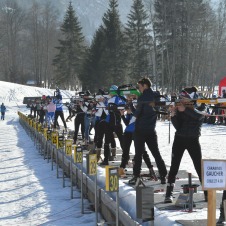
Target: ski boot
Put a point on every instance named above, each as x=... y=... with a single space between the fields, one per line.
x=206 y=196
x=98 y=152
x=104 y=163
x=163 y=179
x=113 y=154
x=169 y=193
x=135 y=181
x=121 y=172
x=221 y=217
x=152 y=174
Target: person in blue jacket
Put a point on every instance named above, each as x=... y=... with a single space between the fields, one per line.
x=128 y=137
x=59 y=109
x=113 y=125
x=3 y=110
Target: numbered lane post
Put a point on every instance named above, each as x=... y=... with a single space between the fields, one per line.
x=78 y=154
x=45 y=132
x=91 y=163
x=68 y=152
x=78 y=159
x=68 y=147
x=59 y=146
x=112 y=179
x=112 y=185
x=54 y=142
x=71 y=171
x=55 y=138
x=49 y=131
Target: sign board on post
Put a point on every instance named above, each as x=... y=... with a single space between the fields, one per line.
x=34 y=125
x=55 y=138
x=49 y=131
x=213 y=174
x=78 y=154
x=37 y=124
x=39 y=127
x=213 y=178
x=91 y=161
x=45 y=132
x=30 y=122
x=68 y=147
x=60 y=141
x=112 y=179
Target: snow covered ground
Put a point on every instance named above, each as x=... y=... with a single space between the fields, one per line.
x=30 y=193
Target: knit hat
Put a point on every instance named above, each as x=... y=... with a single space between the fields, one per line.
x=113 y=88
x=87 y=93
x=192 y=91
x=184 y=94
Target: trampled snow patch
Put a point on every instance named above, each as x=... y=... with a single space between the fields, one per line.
x=30 y=193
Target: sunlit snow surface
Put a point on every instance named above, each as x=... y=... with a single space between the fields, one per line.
x=30 y=193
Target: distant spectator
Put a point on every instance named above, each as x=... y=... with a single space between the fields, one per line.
x=35 y=107
x=59 y=109
x=3 y=110
x=38 y=108
x=223 y=110
x=51 y=108
x=32 y=107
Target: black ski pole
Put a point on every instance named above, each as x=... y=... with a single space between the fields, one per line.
x=169 y=124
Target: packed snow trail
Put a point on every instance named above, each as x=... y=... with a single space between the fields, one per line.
x=30 y=193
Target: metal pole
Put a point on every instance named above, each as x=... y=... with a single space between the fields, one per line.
x=44 y=156
x=34 y=138
x=76 y=176
x=169 y=126
x=117 y=208
x=48 y=154
x=96 y=203
x=190 y=204
x=52 y=158
x=40 y=145
x=71 y=176
x=63 y=168
x=57 y=163
x=82 y=205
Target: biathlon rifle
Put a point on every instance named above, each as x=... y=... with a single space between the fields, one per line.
x=188 y=102
x=125 y=90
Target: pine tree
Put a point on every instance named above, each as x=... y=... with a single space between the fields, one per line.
x=112 y=61
x=105 y=61
x=138 y=41
x=69 y=60
x=92 y=75
x=178 y=25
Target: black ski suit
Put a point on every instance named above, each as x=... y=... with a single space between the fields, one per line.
x=145 y=132
x=188 y=130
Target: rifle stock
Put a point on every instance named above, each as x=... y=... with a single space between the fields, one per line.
x=125 y=92
x=188 y=102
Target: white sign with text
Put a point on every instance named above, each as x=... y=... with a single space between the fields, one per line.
x=214 y=174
